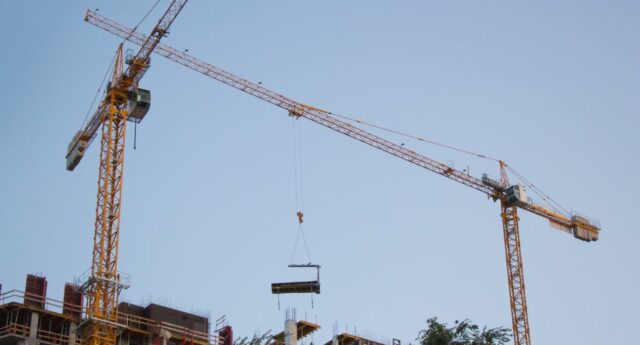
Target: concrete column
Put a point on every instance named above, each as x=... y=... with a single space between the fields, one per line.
x=123 y=339
x=290 y=332
x=33 y=328
x=73 y=330
x=165 y=335
x=334 y=341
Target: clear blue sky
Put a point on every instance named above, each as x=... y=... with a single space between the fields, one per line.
x=209 y=205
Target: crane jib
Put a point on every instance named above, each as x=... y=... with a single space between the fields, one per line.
x=325 y=118
x=314 y=114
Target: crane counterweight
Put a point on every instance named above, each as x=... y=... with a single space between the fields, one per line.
x=76 y=149
x=584 y=229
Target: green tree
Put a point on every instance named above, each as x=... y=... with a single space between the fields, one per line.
x=462 y=333
x=257 y=339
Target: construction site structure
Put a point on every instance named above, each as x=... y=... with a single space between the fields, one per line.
x=297 y=330
x=511 y=197
x=29 y=317
x=294 y=330
x=350 y=339
x=353 y=336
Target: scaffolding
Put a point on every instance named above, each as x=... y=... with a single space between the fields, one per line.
x=31 y=319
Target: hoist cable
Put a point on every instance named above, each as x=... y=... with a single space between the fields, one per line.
x=298 y=181
x=301 y=166
x=295 y=164
x=295 y=246
x=304 y=240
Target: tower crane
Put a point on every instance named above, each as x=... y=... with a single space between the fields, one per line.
x=511 y=197
x=123 y=102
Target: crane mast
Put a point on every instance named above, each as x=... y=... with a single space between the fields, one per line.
x=103 y=286
x=515 y=272
x=510 y=197
x=104 y=283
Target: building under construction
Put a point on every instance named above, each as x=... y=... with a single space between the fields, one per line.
x=295 y=331
x=29 y=317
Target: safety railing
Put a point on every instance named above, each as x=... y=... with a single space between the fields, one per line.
x=126 y=321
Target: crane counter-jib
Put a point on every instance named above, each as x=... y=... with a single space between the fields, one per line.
x=580 y=227
x=84 y=137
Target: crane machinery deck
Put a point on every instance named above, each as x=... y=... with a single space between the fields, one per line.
x=511 y=197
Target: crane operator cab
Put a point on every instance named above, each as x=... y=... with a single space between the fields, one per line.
x=312 y=286
x=139 y=102
x=517 y=195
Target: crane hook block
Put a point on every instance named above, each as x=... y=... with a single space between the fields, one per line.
x=300 y=215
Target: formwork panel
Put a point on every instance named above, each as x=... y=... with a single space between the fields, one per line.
x=227 y=334
x=73 y=299
x=35 y=291
x=296 y=287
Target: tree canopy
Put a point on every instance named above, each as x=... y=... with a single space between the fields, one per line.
x=462 y=333
x=257 y=339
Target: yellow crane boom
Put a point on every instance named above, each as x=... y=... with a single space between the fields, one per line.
x=511 y=197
